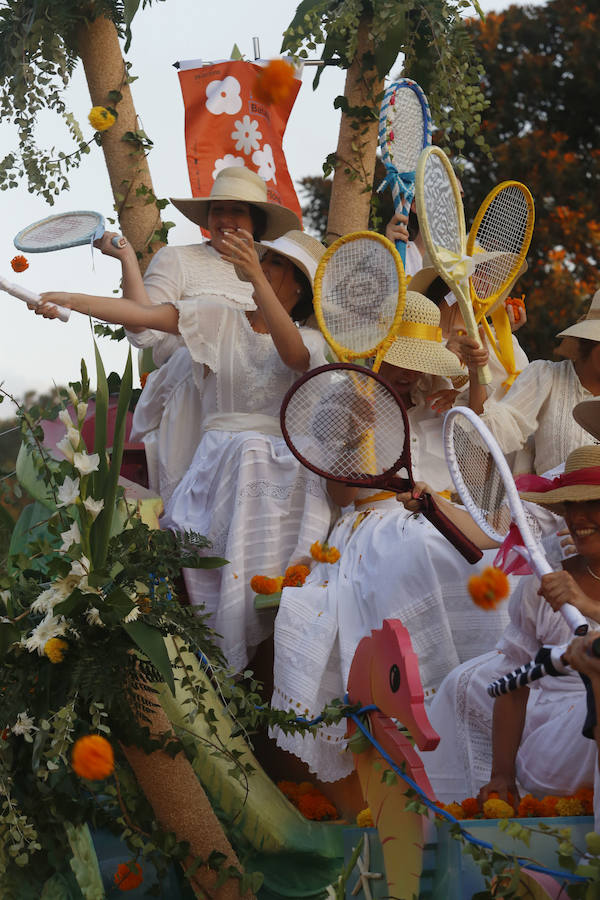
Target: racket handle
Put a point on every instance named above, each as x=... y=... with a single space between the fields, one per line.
x=484 y=376
x=21 y=293
x=119 y=241
x=467 y=548
x=401 y=248
x=574 y=619
x=549 y=661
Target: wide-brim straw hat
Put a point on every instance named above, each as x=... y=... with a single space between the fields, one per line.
x=418 y=345
x=589 y=326
x=302 y=249
x=587 y=414
x=579 y=483
x=241 y=184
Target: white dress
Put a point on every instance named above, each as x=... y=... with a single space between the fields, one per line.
x=554 y=757
x=167 y=417
x=392 y=565
x=244 y=489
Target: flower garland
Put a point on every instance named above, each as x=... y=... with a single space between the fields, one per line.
x=581 y=803
x=489 y=588
x=324 y=553
x=311 y=802
x=295 y=576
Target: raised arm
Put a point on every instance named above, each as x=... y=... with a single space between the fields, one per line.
x=117 y=311
x=132 y=282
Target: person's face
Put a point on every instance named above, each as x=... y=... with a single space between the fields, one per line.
x=225 y=216
x=583 y=521
x=402 y=380
x=280 y=273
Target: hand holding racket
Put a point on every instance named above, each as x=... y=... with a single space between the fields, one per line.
x=487 y=489
x=70 y=229
x=404 y=130
x=347 y=424
x=442 y=224
x=30 y=297
x=359 y=296
x=548 y=661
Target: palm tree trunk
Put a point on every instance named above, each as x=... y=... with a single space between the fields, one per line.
x=357 y=144
x=126 y=161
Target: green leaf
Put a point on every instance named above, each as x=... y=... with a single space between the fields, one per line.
x=74 y=604
x=100 y=417
x=9 y=634
x=207 y=562
x=151 y=643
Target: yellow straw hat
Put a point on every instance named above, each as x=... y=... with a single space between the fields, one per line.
x=239 y=183
x=587 y=414
x=589 y=326
x=579 y=483
x=418 y=345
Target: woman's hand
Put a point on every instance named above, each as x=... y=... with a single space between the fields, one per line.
x=241 y=253
x=107 y=248
x=567 y=542
x=50 y=300
x=503 y=785
x=580 y=657
x=558 y=588
x=396 y=229
x=472 y=354
x=515 y=324
x=413 y=500
x=443 y=400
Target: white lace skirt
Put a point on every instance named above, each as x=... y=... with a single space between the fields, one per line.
x=262 y=510
x=393 y=566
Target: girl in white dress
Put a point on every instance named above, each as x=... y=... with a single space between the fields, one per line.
x=244 y=490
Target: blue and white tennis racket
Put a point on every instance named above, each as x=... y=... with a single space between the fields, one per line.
x=70 y=229
x=404 y=130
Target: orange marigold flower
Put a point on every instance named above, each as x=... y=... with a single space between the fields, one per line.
x=55 y=649
x=517 y=304
x=549 y=805
x=586 y=796
x=295 y=576
x=290 y=789
x=489 y=588
x=317 y=807
x=530 y=806
x=19 y=263
x=144 y=379
x=455 y=809
x=262 y=584
x=470 y=807
x=365 y=819
x=324 y=553
x=101 y=118
x=128 y=876
x=92 y=757
x=569 y=806
x=497 y=809
x=274 y=82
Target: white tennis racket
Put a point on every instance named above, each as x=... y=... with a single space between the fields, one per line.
x=404 y=130
x=488 y=491
x=15 y=290
x=70 y=229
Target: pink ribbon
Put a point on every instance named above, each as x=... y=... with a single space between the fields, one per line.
x=540 y=485
x=508 y=557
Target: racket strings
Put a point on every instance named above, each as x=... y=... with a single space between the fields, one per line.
x=505 y=229
x=482 y=479
x=407 y=130
x=72 y=227
x=441 y=211
x=345 y=424
x=358 y=295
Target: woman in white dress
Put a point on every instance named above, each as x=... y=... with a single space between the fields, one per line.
x=392 y=565
x=529 y=739
x=244 y=490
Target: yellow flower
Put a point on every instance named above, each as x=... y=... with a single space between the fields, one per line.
x=497 y=809
x=455 y=809
x=365 y=819
x=569 y=806
x=101 y=118
x=55 y=649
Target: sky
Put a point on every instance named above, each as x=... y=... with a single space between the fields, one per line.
x=34 y=353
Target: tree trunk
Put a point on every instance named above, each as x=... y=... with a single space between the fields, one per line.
x=126 y=162
x=357 y=145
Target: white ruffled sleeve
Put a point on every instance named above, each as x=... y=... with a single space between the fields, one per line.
x=201 y=323
x=164 y=281
x=513 y=418
x=316 y=345
x=520 y=641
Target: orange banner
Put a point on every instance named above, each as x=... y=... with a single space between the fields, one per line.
x=225 y=126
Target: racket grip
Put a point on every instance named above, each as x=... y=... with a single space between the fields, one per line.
x=27 y=296
x=119 y=241
x=574 y=619
x=465 y=547
x=484 y=376
x=401 y=248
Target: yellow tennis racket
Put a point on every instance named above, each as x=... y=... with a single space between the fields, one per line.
x=359 y=296
x=442 y=224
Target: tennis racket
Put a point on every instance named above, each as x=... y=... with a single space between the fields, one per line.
x=359 y=296
x=15 y=290
x=548 y=661
x=404 y=130
x=346 y=424
x=487 y=489
x=70 y=229
x=442 y=224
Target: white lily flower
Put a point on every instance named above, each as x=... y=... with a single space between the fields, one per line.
x=72 y=395
x=72 y=536
x=132 y=615
x=48 y=628
x=24 y=724
x=68 y=492
x=74 y=437
x=92 y=616
x=65 y=418
x=80 y=566
x=81 y=411
x=94 y=507
x=66 y=448
x=86 y=463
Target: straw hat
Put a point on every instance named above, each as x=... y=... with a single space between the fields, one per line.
x=418 y=345
x=589 y=326
x=587 y=414
x=568 y=488
x=302 y=249
x=239 y=183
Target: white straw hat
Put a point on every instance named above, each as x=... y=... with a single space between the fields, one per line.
x=242 y=184
x=418 y=345
x=587 y=414
x=567 y=488
x=588 y=327
x=302 y=249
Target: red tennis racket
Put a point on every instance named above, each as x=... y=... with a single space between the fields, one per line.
x=347 y=424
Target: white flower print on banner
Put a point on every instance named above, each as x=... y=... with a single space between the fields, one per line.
x=224 y=97
x=265 y=162
x=246 y=134
x=228 y=160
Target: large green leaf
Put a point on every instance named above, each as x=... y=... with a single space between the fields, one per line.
x=9 y=634
x=100 y=426
x=151 y=643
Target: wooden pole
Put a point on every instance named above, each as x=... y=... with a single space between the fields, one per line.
x=126 y=162
x=357 y=144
